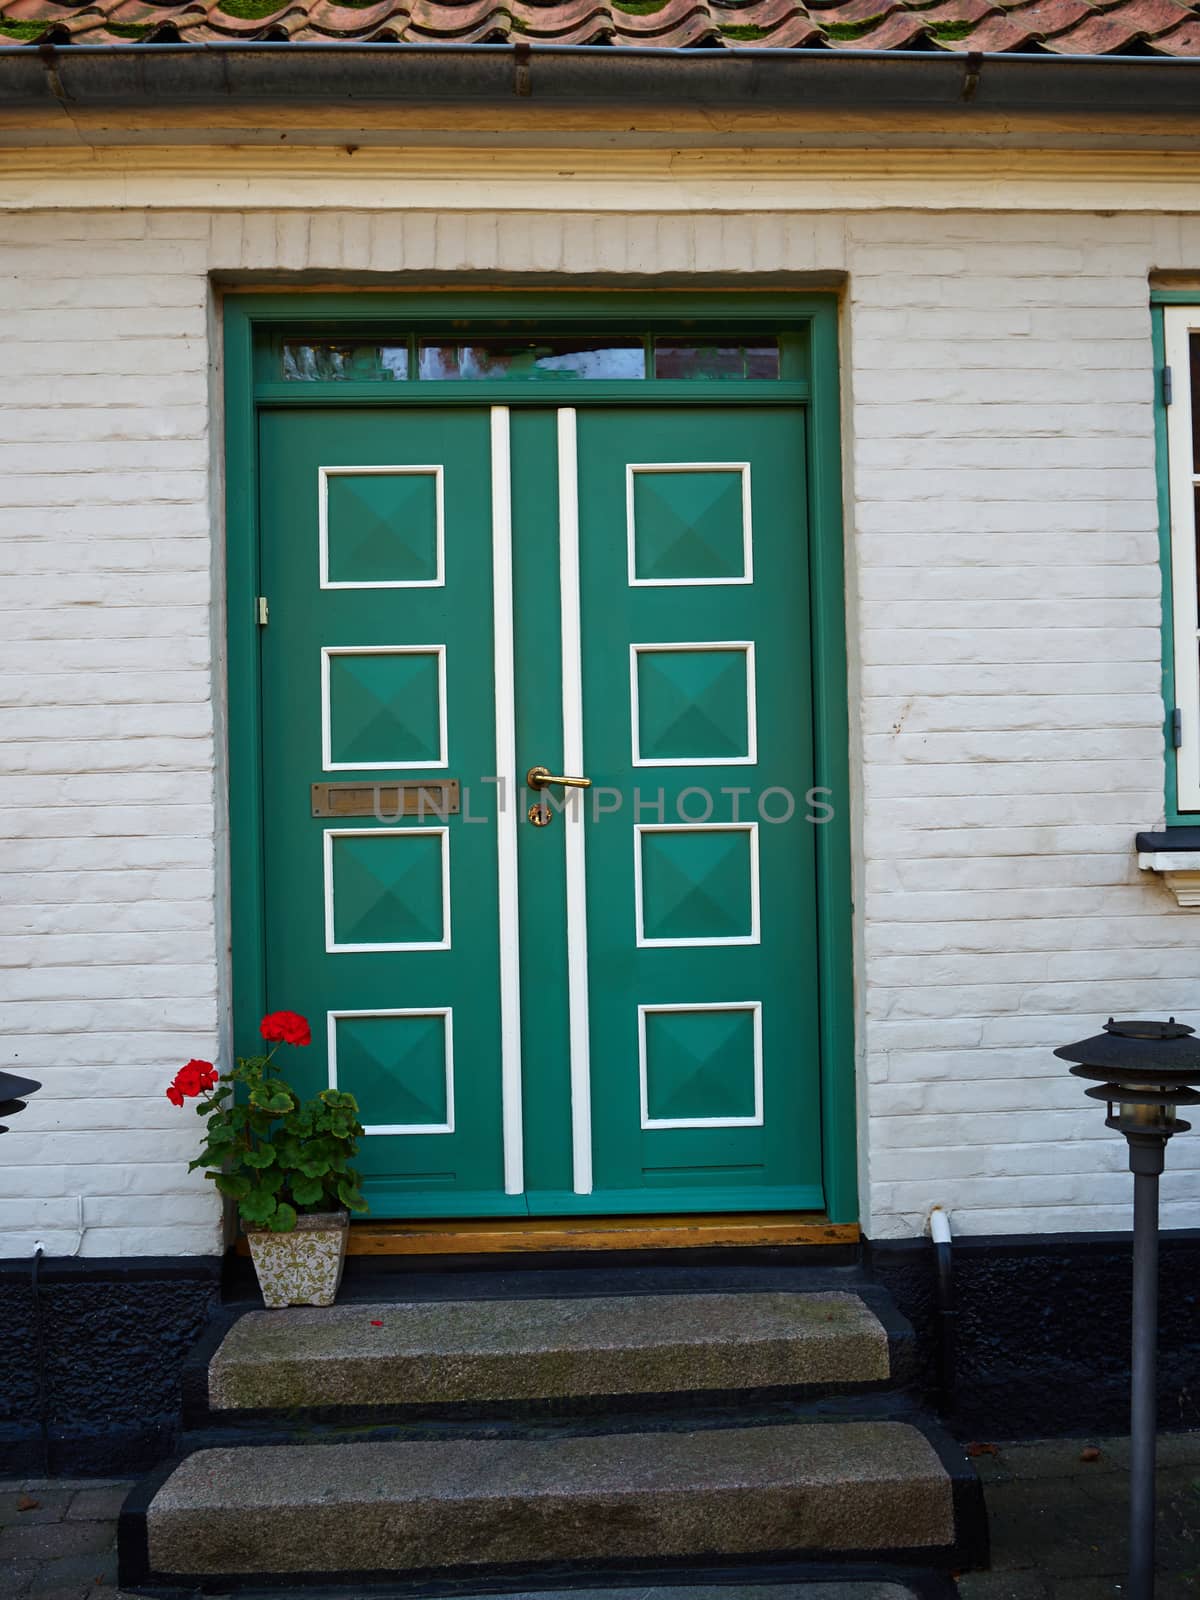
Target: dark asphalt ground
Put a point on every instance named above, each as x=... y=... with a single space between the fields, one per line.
x=1058 y=1513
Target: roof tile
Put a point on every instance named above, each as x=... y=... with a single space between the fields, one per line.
x=1181 y=41
x=1166 y=27
x=1120 y=27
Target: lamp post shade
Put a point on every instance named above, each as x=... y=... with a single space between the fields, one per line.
x=1145 y=1069
x=11 y=1090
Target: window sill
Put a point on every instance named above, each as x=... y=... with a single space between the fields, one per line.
x=1175 y=856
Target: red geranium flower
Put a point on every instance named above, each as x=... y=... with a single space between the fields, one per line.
x=187 y=1080
x=285 y=1027
x=208 y=1073
x=192 y=1080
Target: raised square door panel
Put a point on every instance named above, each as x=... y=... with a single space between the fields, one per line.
x=398 y=1065
x=381 y=527
x=689 y=523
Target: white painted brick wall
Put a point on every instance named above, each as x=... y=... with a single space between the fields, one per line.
x=1004 y=615
x=108 y=966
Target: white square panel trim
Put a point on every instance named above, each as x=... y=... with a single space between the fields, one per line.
x=367 y=946
x=641 y=829
x=331 y=653
x=437 y=473
x=751 y=1007
x=447 y=1015
x=633 y=468
x=744 y=647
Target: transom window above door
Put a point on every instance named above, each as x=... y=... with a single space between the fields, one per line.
x=311 y=356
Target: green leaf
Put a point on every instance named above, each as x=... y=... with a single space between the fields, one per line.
x=280 y=1103
x=307 y=1191
x=235 y=1184
x=221 y=1133
x=284 y=1219
x=351 y=1196
x=263 y=1156
x=257 y=1206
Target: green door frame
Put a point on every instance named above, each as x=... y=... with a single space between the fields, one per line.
x=816 y=315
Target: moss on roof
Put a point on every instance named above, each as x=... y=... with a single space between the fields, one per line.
x=950 y=30
x=851 y=30
x=250 y=10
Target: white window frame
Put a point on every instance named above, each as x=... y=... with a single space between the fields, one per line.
x=1179 y=322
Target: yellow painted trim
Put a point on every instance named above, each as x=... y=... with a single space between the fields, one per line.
x=520 y=1235
x=440 y=179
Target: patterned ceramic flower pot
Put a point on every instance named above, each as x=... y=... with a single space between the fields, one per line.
x=304 y=1267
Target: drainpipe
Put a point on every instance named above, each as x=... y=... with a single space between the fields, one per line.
x=947 y=1315
x=39 y=1355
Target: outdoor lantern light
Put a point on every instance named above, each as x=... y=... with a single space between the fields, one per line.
x=11 y=1090
x=1143 y=1070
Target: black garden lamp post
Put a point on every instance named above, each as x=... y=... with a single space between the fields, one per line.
x=1143 y=1070
x=11 y=1090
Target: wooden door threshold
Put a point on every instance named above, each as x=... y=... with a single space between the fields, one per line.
x=502 y=1235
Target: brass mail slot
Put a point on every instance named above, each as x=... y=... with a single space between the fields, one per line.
x=430 y=797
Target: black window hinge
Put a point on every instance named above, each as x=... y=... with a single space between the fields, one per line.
x=1176 y=720
x=1168 y=393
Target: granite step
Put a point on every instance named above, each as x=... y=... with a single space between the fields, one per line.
x=860 y=1491
x=437 y=1353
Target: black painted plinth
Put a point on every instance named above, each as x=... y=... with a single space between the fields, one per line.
x=1043 y=1329
x=90 y=1375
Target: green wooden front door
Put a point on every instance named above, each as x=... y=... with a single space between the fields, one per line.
x=617 y=1010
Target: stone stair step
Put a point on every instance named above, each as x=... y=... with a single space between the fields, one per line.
x=875 y=1586
x=859 y=1489
x=443 y=1352
x=860 y=1583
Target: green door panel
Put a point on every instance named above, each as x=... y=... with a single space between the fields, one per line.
x=697 y=712
x=378 y=665
x=383 y=931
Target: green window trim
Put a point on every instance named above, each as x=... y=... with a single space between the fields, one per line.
x=1181 y=808
x=252 y=320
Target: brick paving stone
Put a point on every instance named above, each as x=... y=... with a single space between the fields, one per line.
x=15 y=1578
x=52 y=1504
x=1059 y=1524
x=77 y=1575
x=97 y=1505
x=49 y=1541
x=1007 y=1585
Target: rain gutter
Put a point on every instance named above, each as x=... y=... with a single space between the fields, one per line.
x=446 y=74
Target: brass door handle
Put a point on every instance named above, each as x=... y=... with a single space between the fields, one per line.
x=539 y=777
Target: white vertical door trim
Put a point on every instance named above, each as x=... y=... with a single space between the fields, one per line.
x=573 y=812
x=507 y=792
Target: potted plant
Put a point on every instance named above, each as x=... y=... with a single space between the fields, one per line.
x=285 y=1162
